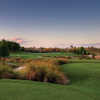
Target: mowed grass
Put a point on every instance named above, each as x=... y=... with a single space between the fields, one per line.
x=85 y=77
x=40 y=55
x=85 y=85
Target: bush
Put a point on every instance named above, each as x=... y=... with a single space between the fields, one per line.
x=13 y=60
x=62 y=61
x=6 y=71
x=55 y=61
x=56 y=77
x=43 y=71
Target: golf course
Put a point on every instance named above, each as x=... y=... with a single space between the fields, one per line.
x=84 y=83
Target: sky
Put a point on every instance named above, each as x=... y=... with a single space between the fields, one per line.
x=51 y=23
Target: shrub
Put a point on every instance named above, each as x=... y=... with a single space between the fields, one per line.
x=44 y=71
x=55 y=61
x=56 y=77
x=6 y=71
x=28 y=60
x=14 y=60
x=62 y=60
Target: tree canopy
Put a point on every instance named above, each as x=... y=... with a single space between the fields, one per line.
x=12 y=46
x=4 y=51
x=8 y=46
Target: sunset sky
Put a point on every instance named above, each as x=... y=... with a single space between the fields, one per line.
x=51 y=23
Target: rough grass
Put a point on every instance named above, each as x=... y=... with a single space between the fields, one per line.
x=44 y=70
x=85 y=85
x=6 y=71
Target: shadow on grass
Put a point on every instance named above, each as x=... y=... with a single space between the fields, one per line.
x=76 y=74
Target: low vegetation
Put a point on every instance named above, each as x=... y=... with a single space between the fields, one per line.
x=6 y=72
x=44 y=70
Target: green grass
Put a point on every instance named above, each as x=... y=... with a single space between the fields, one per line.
x=85 y=77
x=84 y=61
x=85 y=85
x=39 y=55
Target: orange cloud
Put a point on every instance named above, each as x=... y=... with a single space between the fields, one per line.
x=18 y=40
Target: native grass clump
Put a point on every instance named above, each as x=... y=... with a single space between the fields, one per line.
x=6 y=72
x=44 y=70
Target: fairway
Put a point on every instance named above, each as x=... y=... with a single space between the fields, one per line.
x=40 y=55
x=85 y=85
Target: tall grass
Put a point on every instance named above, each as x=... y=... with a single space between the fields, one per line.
x=6 y=71
x=44 y=70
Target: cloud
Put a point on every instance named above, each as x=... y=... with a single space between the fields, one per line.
x=90 y=45
x=64 y=45
x=18 y=40
x=21 y=41
x=31 y=43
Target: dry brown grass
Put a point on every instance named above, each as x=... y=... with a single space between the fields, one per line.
x=44 y=70
x=6 y=71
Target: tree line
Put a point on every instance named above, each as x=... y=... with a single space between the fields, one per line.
x=8 y=46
